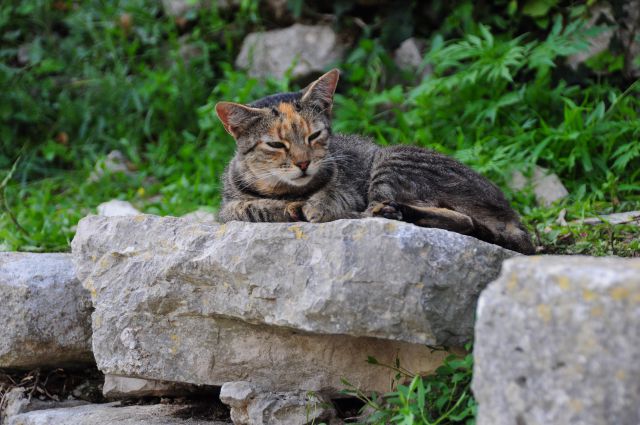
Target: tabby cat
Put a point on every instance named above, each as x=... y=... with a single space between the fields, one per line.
x=289 y=166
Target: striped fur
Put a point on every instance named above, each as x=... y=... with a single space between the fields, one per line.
x=289 y=167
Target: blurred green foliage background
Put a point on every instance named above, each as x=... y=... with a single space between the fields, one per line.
x=79 y=79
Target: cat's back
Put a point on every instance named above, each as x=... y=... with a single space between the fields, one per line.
x=353 y=155
x=438 y=176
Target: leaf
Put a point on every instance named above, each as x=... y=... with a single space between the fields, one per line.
x=597 y=114
x=538 y=8
x=484 y=30
x=586 y=160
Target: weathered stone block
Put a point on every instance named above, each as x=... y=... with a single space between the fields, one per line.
x=373 y=277
x=45 y=314
x=557 y=342
x=285 y=305
x=309 y=48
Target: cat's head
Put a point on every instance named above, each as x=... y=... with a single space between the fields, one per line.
x=282 y=139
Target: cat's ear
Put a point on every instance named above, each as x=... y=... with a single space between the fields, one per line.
x=236 y=118
x=320 y=92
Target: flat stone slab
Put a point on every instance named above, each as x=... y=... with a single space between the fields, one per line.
x=558 y=342
x=16 y=401
x=286 y=306
x=121 y=387
x=212 y=351
x=112 y=414
x=45 y=315
x=629 y=217
x=364 y=278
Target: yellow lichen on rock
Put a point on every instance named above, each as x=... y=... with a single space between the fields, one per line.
x=298 y=232
x=544 y=311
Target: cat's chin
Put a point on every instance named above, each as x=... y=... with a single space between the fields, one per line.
x=300 y=181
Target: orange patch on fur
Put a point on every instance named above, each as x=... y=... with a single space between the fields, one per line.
x=288 y=111
x=291 y=121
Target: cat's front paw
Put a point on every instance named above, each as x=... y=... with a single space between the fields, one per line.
x=313 y=214
x=293 y=211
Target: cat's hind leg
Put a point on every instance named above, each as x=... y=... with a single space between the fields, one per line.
x=442 y=218
x=423 y=215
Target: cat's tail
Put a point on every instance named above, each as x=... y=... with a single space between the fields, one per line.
x=511 y=235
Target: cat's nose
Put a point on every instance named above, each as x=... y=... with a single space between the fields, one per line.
x=303 y=165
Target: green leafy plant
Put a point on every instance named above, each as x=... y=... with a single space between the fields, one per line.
x=442 y=398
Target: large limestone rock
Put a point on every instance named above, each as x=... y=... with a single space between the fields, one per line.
x=45 y=314
x=558 y=341
x=375 y=277
x=287 y=306
x=212 y=351
x=112 y=414
x=309 y=48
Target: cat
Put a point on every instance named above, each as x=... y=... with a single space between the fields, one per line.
x=289 y=166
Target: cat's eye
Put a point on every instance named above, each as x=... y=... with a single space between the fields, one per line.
x=313 y=136
x=276 y=145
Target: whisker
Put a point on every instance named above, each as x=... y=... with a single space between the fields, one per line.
x=321 y=111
